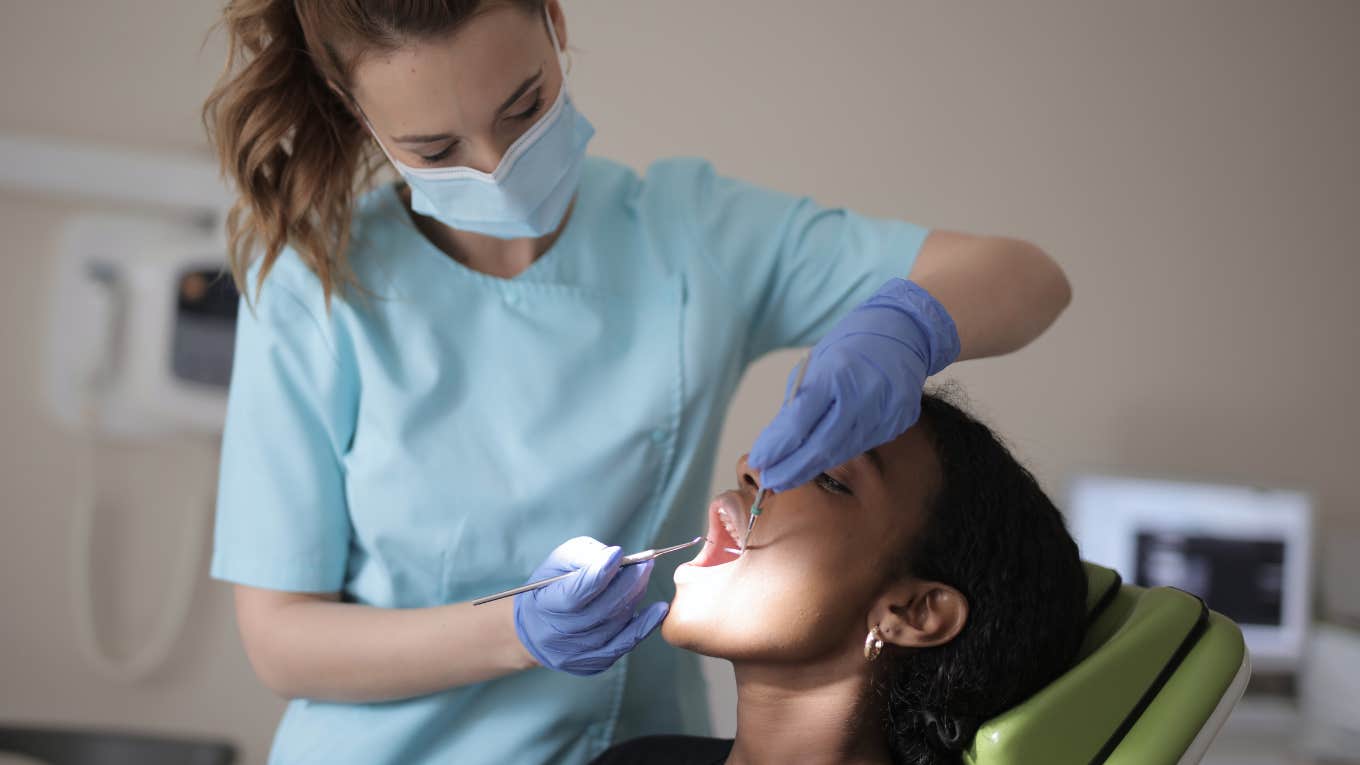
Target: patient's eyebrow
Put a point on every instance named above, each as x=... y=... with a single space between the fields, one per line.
x=875 y=459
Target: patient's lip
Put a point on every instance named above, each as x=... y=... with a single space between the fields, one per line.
x=723 y=537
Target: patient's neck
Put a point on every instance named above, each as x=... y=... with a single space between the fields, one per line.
x=812 y=714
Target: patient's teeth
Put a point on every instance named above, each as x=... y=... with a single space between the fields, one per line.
x=727 y=522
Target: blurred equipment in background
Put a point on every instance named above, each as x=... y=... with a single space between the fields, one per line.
x=140 y=338
x=1249 y=553
x=1246 y=552
x=1329 y=694
x=142 y=328
x=178 y=182
x=140 y=347
x=58 y=746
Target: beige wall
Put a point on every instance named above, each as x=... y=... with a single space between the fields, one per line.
x=1193 y=165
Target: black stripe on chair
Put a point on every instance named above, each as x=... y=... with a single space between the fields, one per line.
x=1172 y=664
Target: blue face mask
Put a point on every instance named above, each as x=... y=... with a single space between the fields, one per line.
x=530 y=189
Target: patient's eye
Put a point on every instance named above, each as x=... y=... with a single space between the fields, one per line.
x=827 y=483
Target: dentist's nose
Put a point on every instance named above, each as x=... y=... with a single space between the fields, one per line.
x=486 y=158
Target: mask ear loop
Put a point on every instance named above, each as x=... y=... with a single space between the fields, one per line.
x=374 y=135
x=354 y=106
x=563 y=55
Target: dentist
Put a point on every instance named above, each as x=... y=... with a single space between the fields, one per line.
x=439 y=380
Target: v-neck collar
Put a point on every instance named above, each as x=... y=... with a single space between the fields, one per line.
x=531 y=274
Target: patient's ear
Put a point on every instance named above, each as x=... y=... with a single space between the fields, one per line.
x=916 y=613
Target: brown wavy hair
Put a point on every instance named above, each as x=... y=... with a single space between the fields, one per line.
x=284 y=124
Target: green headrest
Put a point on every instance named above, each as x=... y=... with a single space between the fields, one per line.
x=1154 y=665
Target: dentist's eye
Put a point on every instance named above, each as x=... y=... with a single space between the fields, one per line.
x=827 y=483
x=531 y=111
x=432 y=158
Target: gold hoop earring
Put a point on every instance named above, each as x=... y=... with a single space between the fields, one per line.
x=873 y=644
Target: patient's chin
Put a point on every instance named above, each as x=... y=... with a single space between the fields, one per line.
x=679 y=634
x=699 y=625
x=683 y=629
x=707 y=628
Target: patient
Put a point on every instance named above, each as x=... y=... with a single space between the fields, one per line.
x=939 y=544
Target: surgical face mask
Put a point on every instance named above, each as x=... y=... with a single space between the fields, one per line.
x=530 y=189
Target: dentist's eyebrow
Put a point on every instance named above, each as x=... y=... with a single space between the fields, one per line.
x=509 y=102
x=431 y=138
x=521 y=90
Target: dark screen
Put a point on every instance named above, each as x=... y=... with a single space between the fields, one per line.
x=205 y=327
x=1241 y=578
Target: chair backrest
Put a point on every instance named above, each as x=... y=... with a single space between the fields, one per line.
x=60 y=746
x=1157 y=674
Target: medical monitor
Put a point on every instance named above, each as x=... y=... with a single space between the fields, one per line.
x=1247 y=552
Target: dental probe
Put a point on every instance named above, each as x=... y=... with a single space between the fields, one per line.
x=760 y=495
x=631 y=560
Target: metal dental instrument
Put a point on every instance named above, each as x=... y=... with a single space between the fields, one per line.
x=760 y=495
x=630 y=560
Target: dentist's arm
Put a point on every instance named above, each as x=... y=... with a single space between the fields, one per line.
x=313 y=646
x=305 y=645
x=966 y=297
x=1001 y=293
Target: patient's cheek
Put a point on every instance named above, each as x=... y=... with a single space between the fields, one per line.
x=805 y=592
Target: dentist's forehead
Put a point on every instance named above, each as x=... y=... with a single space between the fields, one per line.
x=439 y=83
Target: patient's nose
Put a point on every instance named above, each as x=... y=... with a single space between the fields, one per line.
x=747 y=478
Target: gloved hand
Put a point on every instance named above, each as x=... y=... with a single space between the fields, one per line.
x=583 y=624
x=862 y=388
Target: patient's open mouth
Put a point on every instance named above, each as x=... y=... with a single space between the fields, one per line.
x=726 y=524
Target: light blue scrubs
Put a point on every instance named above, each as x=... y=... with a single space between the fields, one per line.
x=434 y=439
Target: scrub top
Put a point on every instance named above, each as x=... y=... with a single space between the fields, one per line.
x=438 y=432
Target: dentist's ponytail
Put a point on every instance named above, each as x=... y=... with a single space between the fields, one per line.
x=284 y=124
x=288 y=144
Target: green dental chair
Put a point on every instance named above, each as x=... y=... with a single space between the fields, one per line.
x=1158 y=674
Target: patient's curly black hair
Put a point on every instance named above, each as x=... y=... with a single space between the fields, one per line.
x=994 y=535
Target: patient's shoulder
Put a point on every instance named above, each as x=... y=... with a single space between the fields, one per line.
x=667 y=750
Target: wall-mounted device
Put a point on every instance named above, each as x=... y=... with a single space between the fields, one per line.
x=1247 y=552
x=142 y=329
x=140 y=347
x=140 y=336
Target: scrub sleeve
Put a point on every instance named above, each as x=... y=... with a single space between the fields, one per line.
x=281 y=522
x=795 y=266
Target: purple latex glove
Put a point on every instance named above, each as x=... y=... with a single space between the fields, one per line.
x=862 y=388
x=584 y=623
